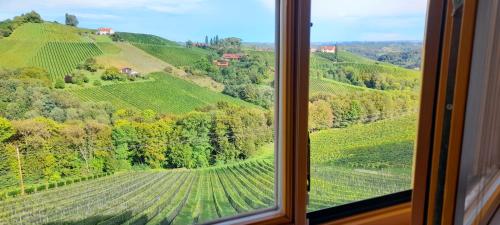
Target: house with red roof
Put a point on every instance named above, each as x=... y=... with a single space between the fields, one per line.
x=105 y=31
x=230 y=56
x=327 y=49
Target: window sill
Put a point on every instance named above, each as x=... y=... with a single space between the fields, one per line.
x=394 y=215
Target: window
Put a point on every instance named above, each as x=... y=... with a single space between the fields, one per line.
x=364 y=95
x=136 y=112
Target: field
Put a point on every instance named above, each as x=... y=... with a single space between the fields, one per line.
x=175 y=55
x=152 y=197
x=126 y=55
x=171 y=95
x=56 y=48
x=61 y=58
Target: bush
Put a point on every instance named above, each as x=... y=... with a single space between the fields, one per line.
x=41 y=187
x=168 y=69
x=14 y=193
x=113 y=73
x=52 y=185
x=97 y=83
x=59 y=84
x=30 y=190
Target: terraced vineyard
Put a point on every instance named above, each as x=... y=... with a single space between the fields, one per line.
x=60 y=58
x=171 y=95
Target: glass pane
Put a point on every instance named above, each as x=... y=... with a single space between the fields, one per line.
x=136 y=112
x=480 y=163
x=365 y=74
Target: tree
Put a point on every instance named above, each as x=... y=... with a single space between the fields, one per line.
x=336 y=52
x=320 y=115
x=6 y=129
x=206 y=40
x=71 y=20
x=32 y=17
x=113 y=73
x=189 y=44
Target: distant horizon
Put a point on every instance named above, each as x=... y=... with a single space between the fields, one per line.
x=180 y=21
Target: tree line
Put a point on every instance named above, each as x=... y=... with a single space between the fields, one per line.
x=328 y=110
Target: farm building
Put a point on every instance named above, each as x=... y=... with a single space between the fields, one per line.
x=327 y=49
x=129 y=71
x=221 y=63
x=231 y=56
x=105 y=31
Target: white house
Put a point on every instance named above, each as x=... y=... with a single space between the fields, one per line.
x=105 y=31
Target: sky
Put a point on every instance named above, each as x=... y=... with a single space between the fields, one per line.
x=251 y=20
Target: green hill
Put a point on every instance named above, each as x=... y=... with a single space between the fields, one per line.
x=166 y=94
x=360 y=71
x=175 y=55
x=56 y=48
x=164 y=49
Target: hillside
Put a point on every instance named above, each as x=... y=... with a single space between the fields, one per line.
x=360 y=71
x=46 y=45
x=164 y=49
x=171 y=95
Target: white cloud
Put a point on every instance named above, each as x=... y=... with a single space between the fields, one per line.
x=356 y=9
x=165 y=6
x=95 y=16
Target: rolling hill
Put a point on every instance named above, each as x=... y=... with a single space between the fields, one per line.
x=56 y=48
x=165 y=94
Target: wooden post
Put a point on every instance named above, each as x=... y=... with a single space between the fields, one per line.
x=20 y=170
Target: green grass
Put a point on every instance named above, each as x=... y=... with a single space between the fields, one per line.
x=175 y=55
x=166 y=94
x=387 y=141
x=145 y=39
x=108 y=48
x=45 y=32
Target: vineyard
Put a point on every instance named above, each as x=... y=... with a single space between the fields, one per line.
x=56 y=48
x=60 y=58
x=175 y=55
x=185 y=196
x=153 y=197
x=171 y=95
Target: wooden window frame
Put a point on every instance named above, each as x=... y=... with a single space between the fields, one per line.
x=293 y=21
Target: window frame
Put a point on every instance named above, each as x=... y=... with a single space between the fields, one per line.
x=293 y=21
x=389 y=208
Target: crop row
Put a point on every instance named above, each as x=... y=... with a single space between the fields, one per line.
x=61 y=58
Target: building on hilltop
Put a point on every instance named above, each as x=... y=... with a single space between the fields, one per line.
x=328 y=49
x=105 y=31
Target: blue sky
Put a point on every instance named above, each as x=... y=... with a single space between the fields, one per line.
x=252 y=20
